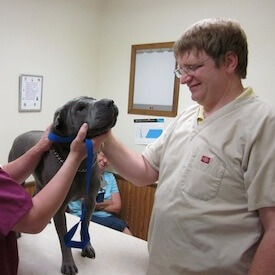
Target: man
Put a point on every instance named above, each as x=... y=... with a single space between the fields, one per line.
x=214 y=210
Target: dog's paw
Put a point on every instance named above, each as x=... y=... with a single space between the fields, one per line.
x=88 y=251
x=69 y=269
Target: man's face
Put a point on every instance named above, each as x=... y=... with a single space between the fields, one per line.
x=204 y=79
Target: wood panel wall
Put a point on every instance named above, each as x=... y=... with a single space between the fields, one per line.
x=137 y=203
x=30 y=187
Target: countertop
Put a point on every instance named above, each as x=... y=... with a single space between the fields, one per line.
x=116 y=252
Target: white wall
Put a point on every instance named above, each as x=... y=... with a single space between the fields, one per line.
x=141 y=21
x=83 y=47
x=57 y=39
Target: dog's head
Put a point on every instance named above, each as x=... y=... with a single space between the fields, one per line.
x=100 y=115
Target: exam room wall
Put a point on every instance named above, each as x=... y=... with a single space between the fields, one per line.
x=57 y=39
x=125 y=22
x=84 y=46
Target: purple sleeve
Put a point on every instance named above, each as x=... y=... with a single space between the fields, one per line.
x=15 y=202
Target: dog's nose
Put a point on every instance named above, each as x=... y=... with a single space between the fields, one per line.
x=108 y=102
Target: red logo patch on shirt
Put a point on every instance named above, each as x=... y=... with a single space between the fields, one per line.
x=205 y=159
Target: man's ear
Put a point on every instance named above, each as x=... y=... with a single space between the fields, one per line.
x=231 y=62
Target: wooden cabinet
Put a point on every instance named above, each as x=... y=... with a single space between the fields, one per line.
x=137 y=203
x=29 y=187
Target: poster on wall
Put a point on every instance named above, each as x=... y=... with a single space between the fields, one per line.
x=148 y=130
x=30 y=93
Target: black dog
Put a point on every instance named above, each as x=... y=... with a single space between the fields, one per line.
x=101 y=115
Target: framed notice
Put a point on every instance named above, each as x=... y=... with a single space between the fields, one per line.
x=154 y=88
x=30 y=93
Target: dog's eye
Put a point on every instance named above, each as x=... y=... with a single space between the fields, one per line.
x=80 y=107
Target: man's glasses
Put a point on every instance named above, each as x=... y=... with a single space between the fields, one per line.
x=190 y=69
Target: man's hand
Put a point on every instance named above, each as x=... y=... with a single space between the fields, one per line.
x=99 y=140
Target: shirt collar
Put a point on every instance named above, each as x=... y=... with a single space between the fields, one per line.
x=247 y=92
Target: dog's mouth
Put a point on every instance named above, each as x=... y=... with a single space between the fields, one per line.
x=96 y=131
x=100 y=128
x=95 y=134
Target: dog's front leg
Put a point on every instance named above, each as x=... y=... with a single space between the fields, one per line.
x=68 y=266
x=88 y=250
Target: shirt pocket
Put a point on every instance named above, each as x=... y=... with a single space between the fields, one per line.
x=202 y=175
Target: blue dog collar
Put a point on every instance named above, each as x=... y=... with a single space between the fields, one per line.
x=55 y=138
x=84 y=228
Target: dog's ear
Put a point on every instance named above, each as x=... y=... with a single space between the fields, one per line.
x=59 y=118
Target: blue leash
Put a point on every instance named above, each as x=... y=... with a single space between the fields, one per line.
x=85 y=237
